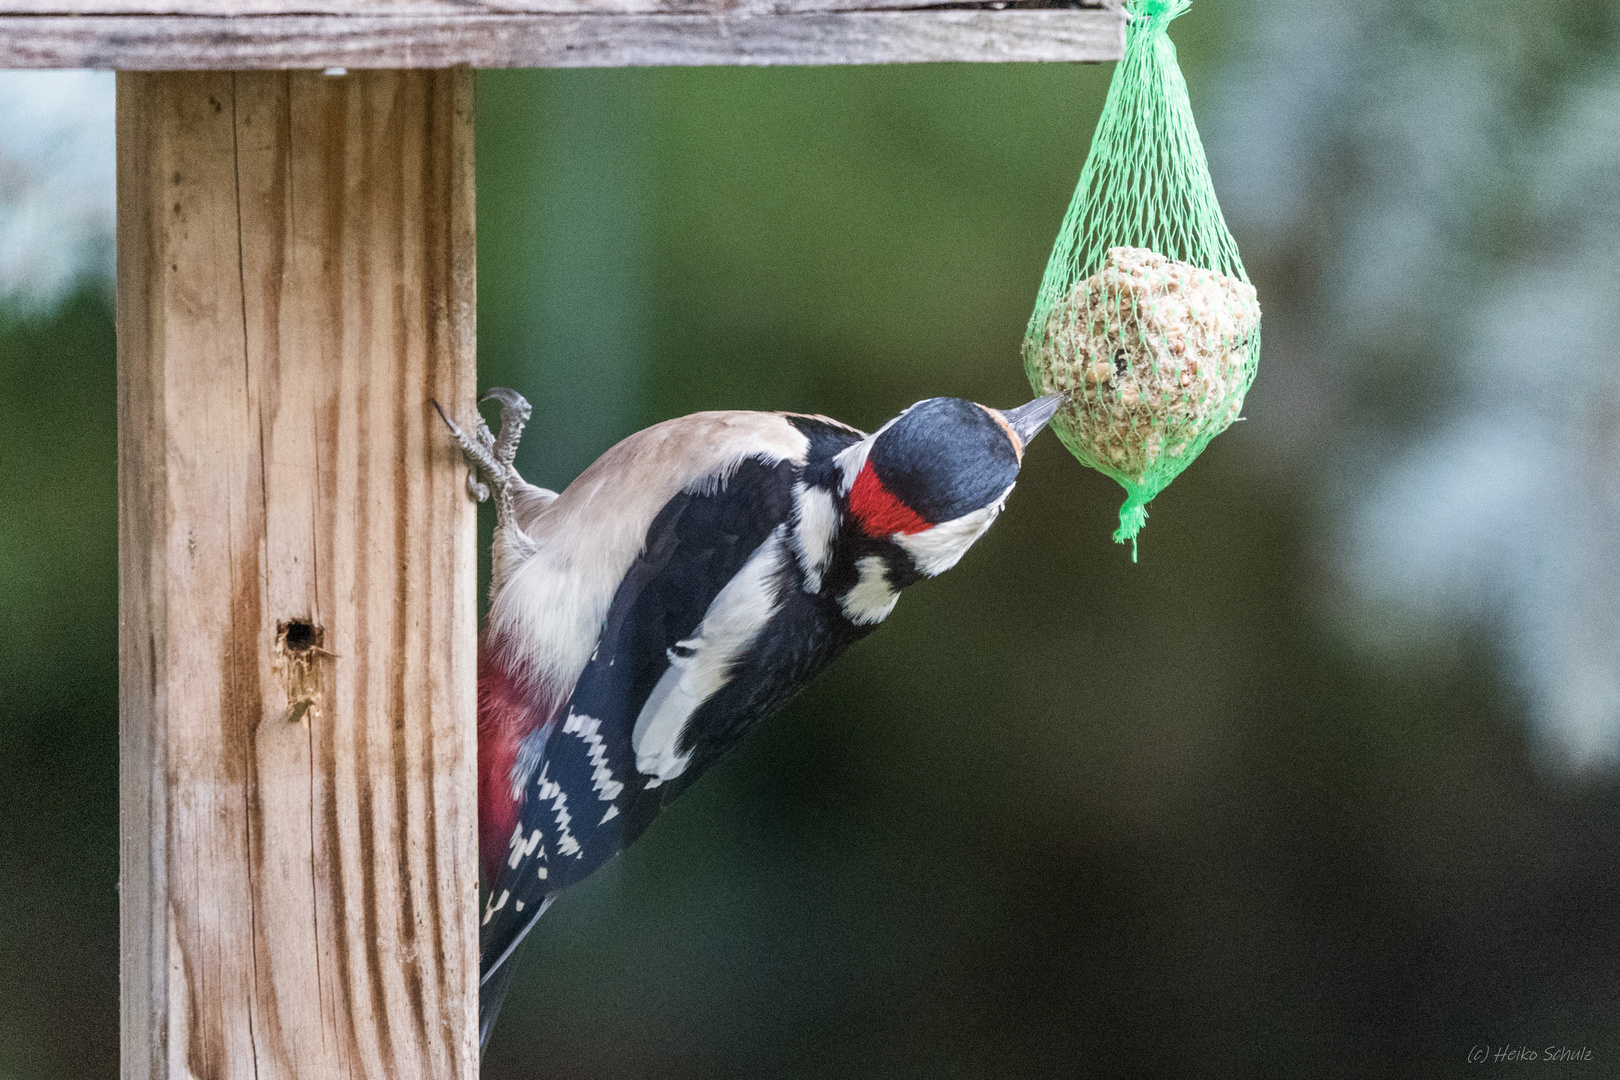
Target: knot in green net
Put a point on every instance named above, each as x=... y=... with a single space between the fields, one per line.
x=1145 y=316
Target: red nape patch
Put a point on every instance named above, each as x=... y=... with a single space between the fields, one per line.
x=879 y=510
x=506 y=713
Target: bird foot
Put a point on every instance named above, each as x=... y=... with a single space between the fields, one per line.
x=489 y=456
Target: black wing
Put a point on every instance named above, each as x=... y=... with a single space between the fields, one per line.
x=585 y=799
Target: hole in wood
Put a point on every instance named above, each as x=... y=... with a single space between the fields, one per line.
x=299 y=635
x=298 y=647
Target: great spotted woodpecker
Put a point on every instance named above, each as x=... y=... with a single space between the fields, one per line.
x=682 y=589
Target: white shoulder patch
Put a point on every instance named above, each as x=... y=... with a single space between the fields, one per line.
x=934 y=551
x=816 y=530
x=702 y=664
x=872 y=598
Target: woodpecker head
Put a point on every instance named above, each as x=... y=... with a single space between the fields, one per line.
x=933 y=479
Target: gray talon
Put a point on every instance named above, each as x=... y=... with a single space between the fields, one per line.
x=515 y=413
x=490 y=457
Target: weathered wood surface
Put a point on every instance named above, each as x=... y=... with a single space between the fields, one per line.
x=461 y=8
x=802 y=36
x=297 y=571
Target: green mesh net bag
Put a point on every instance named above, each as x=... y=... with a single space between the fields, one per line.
x=1146 y=315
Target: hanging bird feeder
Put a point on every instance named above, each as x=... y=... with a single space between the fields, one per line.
x=1145 y=317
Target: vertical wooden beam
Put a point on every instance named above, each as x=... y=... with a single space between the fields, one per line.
x=297 y=575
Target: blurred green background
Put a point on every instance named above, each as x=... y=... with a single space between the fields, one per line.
x=1234 y=811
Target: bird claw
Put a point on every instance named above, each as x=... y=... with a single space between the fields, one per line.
x=515 y=413
x=490 y=457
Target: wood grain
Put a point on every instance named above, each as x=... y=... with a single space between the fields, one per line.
x=467 y=8
x=297 y=576
x=161 y=42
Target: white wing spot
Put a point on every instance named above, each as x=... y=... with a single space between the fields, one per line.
x=567 y=844
x=494 y=905
x=522 y=849
x=588 y=728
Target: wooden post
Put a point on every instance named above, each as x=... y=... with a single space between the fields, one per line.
x=297 y=575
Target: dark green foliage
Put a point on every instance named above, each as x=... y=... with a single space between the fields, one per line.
x=58 y=692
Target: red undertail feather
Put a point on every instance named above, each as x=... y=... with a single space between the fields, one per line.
x=506 y=713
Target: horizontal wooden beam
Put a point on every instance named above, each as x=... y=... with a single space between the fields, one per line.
x=456 y=9
x=196 y=42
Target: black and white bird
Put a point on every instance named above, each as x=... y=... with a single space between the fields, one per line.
x=682 y=589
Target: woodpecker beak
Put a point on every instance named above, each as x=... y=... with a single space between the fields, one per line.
x=1027 y=420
